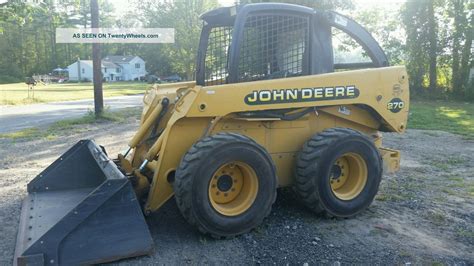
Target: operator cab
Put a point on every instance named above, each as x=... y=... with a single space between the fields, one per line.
x=274 y=40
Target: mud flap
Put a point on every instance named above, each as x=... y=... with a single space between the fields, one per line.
x=81 y=210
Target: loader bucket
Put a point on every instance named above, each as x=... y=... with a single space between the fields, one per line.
x=81 y=210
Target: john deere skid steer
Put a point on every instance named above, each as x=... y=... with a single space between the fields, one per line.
x=269 y=108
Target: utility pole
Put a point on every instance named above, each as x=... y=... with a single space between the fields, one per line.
x=79 y=78
x=96 y=62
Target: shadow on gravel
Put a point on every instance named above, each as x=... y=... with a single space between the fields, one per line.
x=290 y=235
x=177 y=243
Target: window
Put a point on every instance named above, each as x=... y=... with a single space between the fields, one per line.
x=118 y=70
x=105 y=70
x=273 y=46
x=215 y=64
x=83 y=71
x=137 y=65
x=348 y=54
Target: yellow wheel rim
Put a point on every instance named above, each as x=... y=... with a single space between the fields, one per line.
x=348 y=176
x=233 y=188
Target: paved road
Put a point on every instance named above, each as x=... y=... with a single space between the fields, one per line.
x=14 y=118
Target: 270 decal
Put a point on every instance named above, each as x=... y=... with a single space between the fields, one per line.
x=395 y=105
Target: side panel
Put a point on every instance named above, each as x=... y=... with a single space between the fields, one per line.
x=180 y=136
x=384 y=90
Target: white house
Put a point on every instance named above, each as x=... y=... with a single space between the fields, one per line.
x=80 y=70
x=114 y=68
x=133 y=67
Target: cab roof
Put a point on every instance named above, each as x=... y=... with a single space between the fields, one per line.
x=225 y=16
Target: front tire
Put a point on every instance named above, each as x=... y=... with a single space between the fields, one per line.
x=338 y=172
x=225 y=185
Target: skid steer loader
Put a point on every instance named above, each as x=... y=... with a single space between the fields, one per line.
x=269 y=108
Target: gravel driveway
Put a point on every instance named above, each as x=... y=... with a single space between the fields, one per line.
x=424 y=214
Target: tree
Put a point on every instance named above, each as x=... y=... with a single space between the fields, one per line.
x=414 y=21
x=462 y=59
x=420 y=23
x=432 y=36
x=184 y=17
x=384 y=25
x=27 y=42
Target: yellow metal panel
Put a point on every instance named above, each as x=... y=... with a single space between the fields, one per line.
x=352 y=113
x=285 y=165
x=391 y=160
x=377 y=87
x=180 y=137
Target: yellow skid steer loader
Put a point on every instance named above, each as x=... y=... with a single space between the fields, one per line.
x=269 y=108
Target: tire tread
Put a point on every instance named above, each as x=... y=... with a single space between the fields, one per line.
x=189 y=165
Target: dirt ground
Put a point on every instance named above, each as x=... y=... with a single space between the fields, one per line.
x=424 y=214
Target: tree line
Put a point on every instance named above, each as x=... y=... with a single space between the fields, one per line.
x=433 y=38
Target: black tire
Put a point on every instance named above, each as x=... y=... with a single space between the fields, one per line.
x=193 y=180
x=314 y=171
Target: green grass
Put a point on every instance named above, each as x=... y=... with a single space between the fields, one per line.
x=69 y=126
x=454 y=117
x=17 y=93
x=438 y=218
x=470 y=190
x=465 y=233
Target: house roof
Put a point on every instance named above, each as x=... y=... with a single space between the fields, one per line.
x=109 y=64
x=119 y=58
x=105 y=63
x=87 y=62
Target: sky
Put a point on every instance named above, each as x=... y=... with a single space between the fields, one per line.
x=122 y=6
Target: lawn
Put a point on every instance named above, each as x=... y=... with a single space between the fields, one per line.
x=454 y=117
x=17 y=93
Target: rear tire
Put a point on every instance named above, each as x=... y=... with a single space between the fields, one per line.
x=338 y=172
x=225 y=185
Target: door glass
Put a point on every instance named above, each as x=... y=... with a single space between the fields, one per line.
x=216 y=71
